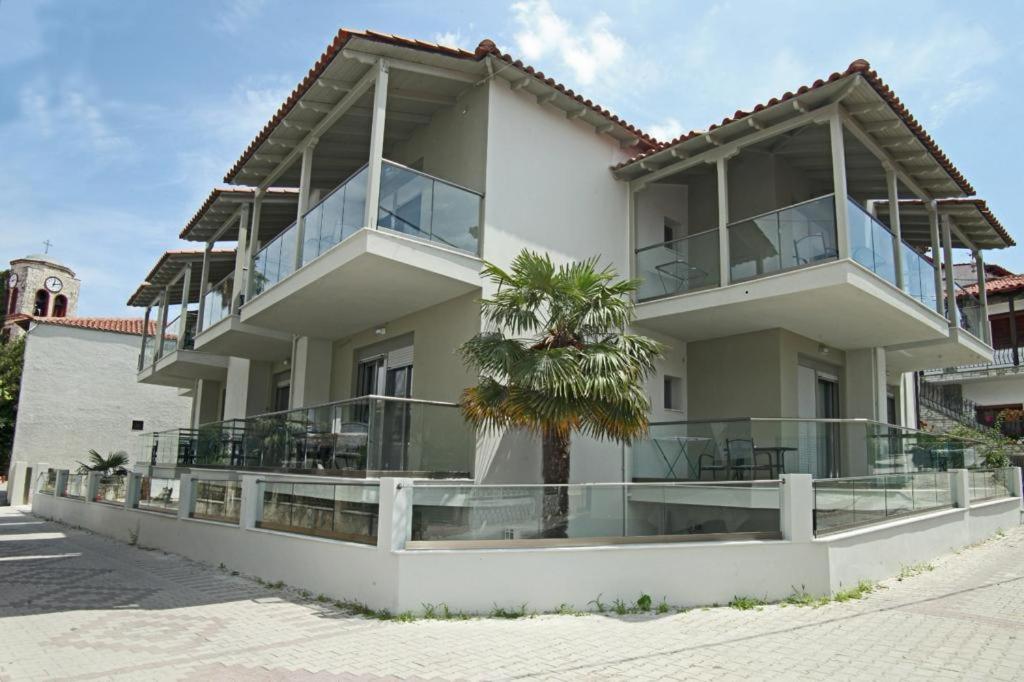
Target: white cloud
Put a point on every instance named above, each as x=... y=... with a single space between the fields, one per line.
x=588 y=50
x=453 y=39
x=237 y=15
x=666 y=130
x=71 y=111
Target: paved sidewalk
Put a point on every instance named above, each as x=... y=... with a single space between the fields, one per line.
x=74 y=605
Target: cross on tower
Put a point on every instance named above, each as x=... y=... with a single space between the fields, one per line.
x=47 y=243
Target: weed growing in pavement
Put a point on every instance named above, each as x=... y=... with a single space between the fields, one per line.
x=747 y=603
x=663 y=606
x=598 y=604
x=914 y=569
x=644 y=602
x=501 y=612
x=862 y=589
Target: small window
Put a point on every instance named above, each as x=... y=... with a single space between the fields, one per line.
x=671 y=230
x=42 y=306
x=137 y=425
x=673 y=393
x=60 y=306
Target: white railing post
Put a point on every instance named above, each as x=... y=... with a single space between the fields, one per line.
x=186 y=284
x=374 y=169
x=204 y=287
x=1015 y=483
x=145 y=337
x=724 y=257
x=838 y=148
x=131 y=490
x=947 y=260
x=986 y=327
x=241 y=254
x=796 y=507
x=394 y=520
x=892 y=187
x=933 y=230
x=961 y=482
x=61 y=486
x=248 y=285
x=250 y=501
x=185 y=496
x=305 y=178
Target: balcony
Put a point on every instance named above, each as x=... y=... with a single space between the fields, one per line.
x=775 y=260
x=422 y=251
x=365 y=437
x=177 y=363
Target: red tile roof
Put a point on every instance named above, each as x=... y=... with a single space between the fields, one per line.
x=1002 y=285
x=118 y=325
x=859 y=66
x=485 y=48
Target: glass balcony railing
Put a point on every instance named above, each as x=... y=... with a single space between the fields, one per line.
x=678 y=266
x=918 y=277
x=989 y=484
x=969 y=316
x=871 y=245
x=340 y=511
x=217 y=302
x=77 y=486
x=362 y=437
x=151 y=345
x=457 y=515
x=159 y=494
x=216 y=500
x=758 y=448
x=795 y=236
x=846 y=503
x=410 y=202
x=112 y=489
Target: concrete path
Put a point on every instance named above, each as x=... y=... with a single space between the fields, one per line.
x=74 y=605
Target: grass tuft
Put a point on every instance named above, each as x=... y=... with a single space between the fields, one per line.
x=747 y=603
x=859 y=591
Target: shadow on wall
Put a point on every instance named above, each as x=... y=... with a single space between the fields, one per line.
x=512 y=457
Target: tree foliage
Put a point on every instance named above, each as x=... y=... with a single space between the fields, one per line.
x=12 y=356
x=112 y=464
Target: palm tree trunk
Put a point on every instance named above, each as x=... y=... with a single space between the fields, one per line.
x=555 y=455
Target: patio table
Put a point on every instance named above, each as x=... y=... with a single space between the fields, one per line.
x=682 y=442
x=776 y=457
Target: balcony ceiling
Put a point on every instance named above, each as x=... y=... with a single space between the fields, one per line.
x=971 y=218
x=277 y=211
x=169 y=267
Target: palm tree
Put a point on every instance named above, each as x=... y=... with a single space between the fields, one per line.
x=111 y=465
x=559 y=362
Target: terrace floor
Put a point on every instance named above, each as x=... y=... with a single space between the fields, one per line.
x=74 y=605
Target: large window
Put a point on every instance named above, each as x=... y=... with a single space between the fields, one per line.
x=42 y=306
x=60 y=306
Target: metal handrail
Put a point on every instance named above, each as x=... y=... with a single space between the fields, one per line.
x=762 y=483
x=673 y=241
x=432 y=177
x=345 y=401
x=779 y=210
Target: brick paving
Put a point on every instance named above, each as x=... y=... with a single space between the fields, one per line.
x=74 y=605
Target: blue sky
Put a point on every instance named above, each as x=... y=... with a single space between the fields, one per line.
x=116 y=118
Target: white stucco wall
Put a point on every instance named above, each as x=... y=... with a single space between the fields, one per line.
x=79 y=392
x=1007 y=390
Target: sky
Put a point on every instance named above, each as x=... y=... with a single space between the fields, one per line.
x=117 y=118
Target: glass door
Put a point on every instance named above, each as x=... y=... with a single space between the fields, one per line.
x=828 y=408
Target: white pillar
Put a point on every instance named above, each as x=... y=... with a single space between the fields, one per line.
x=835 y=129
x=305 y=177
x=92 y=485
x=933 y=228
x=161 y=323
x=204 y=285
x=240 y=259
x=891 y=184
x=311 y=372
x=722 y=173
x=145 y=337
x=394 y=520
x=380 y=101
x=185 y=496
x=60 y=490
x=947 y=253
x=251 y=501
x=186 y=285
x=796 y=507
x=961 y=488
x=249 y=281
x=131 y=490
x=986 y=328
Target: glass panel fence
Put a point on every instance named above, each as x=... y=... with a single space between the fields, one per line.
x=845 y=503
x=77 y=487
x=594 y=512
x=989 y=484
x=968 y=312
x=215 y=500
x=338 y=216
x=678 y=266
x=217 y=302
x=159 y=494
x=694 y=451
x=175 y=446
x=47 y=482
x=170 y=337
x=871 y=243
x=341 y=511
x=918 y=276
x=363 y=436
x=422 y=206
x=148 y=352
x=112 y=489
x=791 y=237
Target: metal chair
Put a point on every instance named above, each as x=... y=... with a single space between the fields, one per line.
x=743 y=458
x=715 y=464
x=817 y=249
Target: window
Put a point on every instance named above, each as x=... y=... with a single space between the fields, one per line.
x=60 y=306
x=42 y=306
x=673 y=393
x=13 y=306
x=671 y=229
x=137 y=425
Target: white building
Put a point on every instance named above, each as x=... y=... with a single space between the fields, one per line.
x=792 y=261
x=79 y=393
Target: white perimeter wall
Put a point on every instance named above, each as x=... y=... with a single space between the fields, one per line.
x=1002 y=391
x=79 y=393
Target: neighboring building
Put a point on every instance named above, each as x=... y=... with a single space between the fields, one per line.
x=40 y=286
x=79 y=393
x=980 y=392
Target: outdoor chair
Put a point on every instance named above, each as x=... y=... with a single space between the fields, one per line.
x=743 y=459
x=813 y=249
x=713 y=462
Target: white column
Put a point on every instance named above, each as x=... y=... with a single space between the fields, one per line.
x=891 y=184
x=131 y=490
x=204 y=285
x=933 y=228
x=835 y=129
x=305 y=177
x=249 y=283
x=947 y=258
x=92 y=485
x=394 y=522
x=961 y=488
x=251 y=501
x=380 y=101
x=240 y=258
x=145 y=335
x=186 y=285
x=60 y=490
x=161 y=323
x=986 y=328
x=796 y=507
x=722 y=173
x=311 y=372
x=184 y=496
